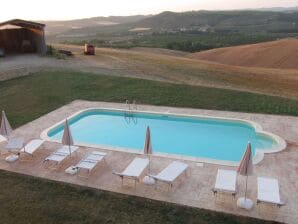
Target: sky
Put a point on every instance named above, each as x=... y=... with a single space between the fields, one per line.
x=76 y=9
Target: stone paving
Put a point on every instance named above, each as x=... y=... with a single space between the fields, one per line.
x=194 y=189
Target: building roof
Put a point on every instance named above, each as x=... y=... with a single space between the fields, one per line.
x=10 y=27
x=24 y=24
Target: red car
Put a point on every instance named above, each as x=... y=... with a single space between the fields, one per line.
x=89 y=49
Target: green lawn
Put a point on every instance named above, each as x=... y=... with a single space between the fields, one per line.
x=31 y=200
x=27 y=98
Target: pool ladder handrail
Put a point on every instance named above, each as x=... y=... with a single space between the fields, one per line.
x=126 y=113
x=130 y=108
x=128 y=105
x=134 y=108
x=134 y=104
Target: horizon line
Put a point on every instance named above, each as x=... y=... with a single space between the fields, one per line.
x=153 y=14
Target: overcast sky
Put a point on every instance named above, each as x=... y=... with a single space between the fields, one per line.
x=74 y=9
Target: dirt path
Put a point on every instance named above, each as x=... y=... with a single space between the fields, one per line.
x=159 y=65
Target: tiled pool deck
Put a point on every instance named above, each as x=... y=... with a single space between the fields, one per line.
x=193 y=190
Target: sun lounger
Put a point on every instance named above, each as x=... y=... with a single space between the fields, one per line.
x=90 y=161
x=31 y=147
x=268 y=191
x=13 y=145
x=225 y=182
x=134 y=170
x=171 y=172
x=61 y=154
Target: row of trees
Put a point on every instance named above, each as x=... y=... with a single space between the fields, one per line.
x=188 y=46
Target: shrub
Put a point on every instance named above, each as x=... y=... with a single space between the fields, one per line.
x=53 y=52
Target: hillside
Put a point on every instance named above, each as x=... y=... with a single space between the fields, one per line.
x=275 y=54
x=195 y=21
x=59 y=27
x=186 y=31
x=278 y=9
x=222 y=20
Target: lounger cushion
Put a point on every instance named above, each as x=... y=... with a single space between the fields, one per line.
x=60 y=154
x=56 y=157
x=95 y=156
x=15 y=143
x=32 y=146
x=136 y=167
x=98 y=153
x=268 y=190
x=86 y=165
x=91 y=160
x=226 y=180
x=66 y=149
x=171 y=172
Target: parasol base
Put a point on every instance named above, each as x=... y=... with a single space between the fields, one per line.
x=245 y=203
x=148 y=180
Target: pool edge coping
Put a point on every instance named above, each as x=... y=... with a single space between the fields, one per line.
x=259 y=155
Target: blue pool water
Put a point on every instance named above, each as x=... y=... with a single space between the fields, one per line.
x=196 y=137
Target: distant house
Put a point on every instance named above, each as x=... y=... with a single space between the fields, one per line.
x=20 y=36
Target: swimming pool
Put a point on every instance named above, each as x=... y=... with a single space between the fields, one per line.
x=216 y=139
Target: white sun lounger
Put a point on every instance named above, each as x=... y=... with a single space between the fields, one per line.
x=225 y=182
x=134 y=170
x=90 y=161
x=268 y=191
x=59 y=155
x=13 y=145
x=32 y=146
x=171 y=172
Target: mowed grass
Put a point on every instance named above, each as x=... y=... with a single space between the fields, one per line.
x=26 y=199
x=27 y=98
